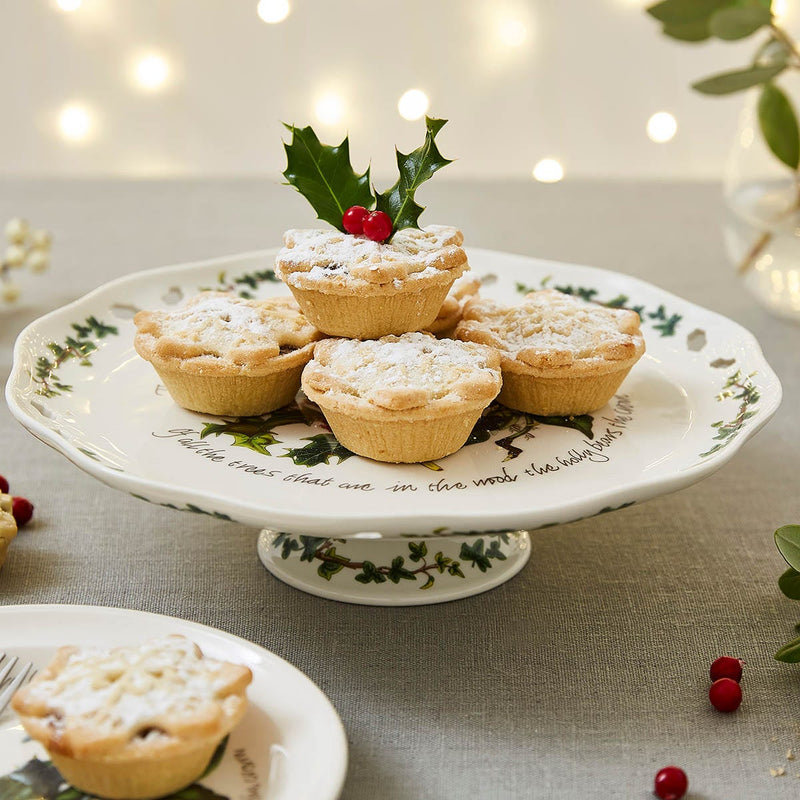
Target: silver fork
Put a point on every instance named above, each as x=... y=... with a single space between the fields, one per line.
x=8 y=687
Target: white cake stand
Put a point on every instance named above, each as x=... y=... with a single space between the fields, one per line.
x=350 y=529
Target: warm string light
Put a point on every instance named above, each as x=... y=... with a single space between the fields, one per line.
x=273 y=11
x=75 y=123
x=511 y=32
x=780 y=10
x=329 y=109
x=413 y=104
x=151 y=72
x=69 y=5
x=661 y=127
x=548 y=170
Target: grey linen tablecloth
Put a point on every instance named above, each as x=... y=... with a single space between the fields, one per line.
x=580 y=677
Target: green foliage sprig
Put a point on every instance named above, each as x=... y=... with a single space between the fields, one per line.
x=323 y=174
x=732 y=20
x=787 y=539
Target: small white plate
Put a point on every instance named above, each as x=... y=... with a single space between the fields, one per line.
x=290 y=744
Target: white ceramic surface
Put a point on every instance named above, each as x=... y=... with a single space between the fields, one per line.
x=404 y=572
x=267 y=756
x=700 y=391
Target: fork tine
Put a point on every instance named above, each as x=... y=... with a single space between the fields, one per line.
x=7 y=668
x=7 y=693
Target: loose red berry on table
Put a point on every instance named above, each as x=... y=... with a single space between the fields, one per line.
x=3 y=485
x=378 y=226
x=671 y=783
x=353 y=219
x=727 y=667
x=22 y=510
x=725 y=695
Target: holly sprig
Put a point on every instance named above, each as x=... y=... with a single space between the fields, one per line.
x=324 y=175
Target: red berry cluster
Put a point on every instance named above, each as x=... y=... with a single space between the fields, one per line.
x=375 y=225
x=725 y=695
x=21 y=508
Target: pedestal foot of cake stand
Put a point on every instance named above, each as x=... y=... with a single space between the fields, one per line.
x=403 y=571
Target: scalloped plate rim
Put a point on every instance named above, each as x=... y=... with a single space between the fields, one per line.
x=587 y=505
x=331 y=785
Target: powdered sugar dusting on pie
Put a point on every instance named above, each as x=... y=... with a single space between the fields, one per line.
x=134 y=691
x=404 y=371
x=553 y=328
x=320 y=256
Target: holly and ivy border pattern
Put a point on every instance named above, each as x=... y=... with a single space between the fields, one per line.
x=417 y=564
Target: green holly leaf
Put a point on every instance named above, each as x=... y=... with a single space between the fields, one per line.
x=324 y=176
x=415 y=168
x=319 y=450
x=778 y=122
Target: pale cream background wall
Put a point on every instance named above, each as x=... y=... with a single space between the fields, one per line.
x=580 y=87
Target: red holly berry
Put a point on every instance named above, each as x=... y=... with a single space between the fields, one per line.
x=671 y=783
x=22 y=510
x=378 y=226
x=727 y=667
x=725 y=695
x=353 y=219
x=3 y=485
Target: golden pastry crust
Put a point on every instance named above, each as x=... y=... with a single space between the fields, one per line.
x=133 y=722
x=8 y=526
x=337 y=263
x=560 y=354
x=218 y=333
x=221 y=354
x=464 y=289
x=402 y=398
x=353 y=287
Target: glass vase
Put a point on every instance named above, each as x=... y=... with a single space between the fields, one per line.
x=762 y=219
